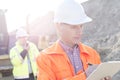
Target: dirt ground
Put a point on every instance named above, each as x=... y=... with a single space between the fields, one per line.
x=6 y=75
x=7 y=78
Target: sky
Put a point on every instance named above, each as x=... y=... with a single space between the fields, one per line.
x=19 y=10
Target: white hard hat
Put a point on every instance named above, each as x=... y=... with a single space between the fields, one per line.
x=21 y=33
x=71 y=12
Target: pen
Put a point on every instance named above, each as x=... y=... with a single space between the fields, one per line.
x=90 y=64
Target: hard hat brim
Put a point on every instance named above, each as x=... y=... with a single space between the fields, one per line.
x=74 y=22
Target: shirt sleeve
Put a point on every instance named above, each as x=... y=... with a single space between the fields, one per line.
x=15 y=58
x=44 y=70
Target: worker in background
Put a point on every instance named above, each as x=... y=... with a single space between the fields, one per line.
x=23 y=57
x=68 y=58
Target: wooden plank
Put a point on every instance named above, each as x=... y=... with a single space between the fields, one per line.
x=4 y=56
x=0 y=75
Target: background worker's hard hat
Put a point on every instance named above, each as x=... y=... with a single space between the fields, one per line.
x=70 y=12
x=21 y=33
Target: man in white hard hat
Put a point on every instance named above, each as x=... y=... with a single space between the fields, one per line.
x=23 y=57
x=68 y=58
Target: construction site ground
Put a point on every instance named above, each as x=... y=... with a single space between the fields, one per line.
x=5 y=68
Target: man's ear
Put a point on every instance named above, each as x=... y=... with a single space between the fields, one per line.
x=58 y=30
x=57 y=26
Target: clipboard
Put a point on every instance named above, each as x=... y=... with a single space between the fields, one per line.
x=105 y=69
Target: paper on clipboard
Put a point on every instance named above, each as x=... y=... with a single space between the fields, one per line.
x=105 y=69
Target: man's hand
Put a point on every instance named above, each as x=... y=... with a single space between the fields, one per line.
x=90 y=69
x=25 y=50
x=26 y=47
x=107 y=78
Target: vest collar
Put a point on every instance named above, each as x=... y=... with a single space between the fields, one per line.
x=57 y=49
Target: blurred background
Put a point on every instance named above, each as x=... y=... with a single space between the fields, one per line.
x=36 y=16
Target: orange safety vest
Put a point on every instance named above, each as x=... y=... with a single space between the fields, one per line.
x=54 y=64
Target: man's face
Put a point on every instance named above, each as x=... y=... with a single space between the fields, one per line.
x=70 y=34
x=22 y=40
